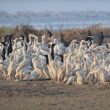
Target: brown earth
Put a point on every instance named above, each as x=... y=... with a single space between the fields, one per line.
x=48 y=95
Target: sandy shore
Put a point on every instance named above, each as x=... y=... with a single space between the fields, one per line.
x=47 y=95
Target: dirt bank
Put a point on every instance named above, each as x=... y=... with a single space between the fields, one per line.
x=47 y=95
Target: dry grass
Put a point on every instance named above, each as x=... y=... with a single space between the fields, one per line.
x=69 y=34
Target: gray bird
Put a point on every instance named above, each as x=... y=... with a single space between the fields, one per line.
x=98 y=39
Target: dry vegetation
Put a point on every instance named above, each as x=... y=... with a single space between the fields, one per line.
x=69 y=34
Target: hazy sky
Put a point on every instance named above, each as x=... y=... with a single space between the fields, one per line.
x=54 y=5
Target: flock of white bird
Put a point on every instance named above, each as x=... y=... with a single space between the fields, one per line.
x=75 y=64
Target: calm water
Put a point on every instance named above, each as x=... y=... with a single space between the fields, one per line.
x=86 y=13
x=56 y=20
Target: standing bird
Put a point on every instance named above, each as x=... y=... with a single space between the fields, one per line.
x=49 y=33
x=7 y=46
x=10 y=45
x=63 y=40
x=89 y=38
x=1 y=50
x=98 y=39
x=25 y=38
x=12 y=67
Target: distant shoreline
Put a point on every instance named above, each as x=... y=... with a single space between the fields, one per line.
x=58 y=26
x=56 y=20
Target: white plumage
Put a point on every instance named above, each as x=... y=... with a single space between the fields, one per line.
x=80 y=63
